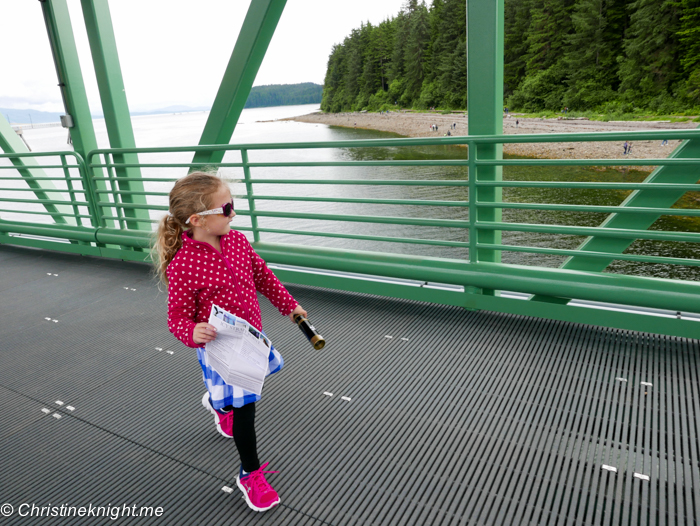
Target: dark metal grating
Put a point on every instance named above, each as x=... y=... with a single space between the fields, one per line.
x=459 y=418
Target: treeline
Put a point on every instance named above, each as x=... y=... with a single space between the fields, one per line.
x=615 y=56
x=284 y=95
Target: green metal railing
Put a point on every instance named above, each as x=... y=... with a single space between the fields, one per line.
x=110 y=227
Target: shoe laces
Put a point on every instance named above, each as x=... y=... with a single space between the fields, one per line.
x=258 y=481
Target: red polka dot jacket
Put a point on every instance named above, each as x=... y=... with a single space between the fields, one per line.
x=200 y=276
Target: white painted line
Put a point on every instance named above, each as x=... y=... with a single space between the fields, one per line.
x=132 y=289
x=55 y=321
x=227 y=489
x=621 y=379
x=70 y=408
x=609 y=468
x=159 y=348
x=327 y=393
x=345 y=398
x=58 y=402
x=169 y=352
x=56 y=275
x=48 y=273
x=126 y=288
x=641 y=476
x=645 y=383
x=404 y=339
x=46 y=410
x=390 y=337
x=56 y=415
x=47 y=319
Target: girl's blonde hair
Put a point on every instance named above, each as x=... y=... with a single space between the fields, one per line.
x=189 y=195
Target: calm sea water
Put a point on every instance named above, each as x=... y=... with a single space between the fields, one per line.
x=260 y=125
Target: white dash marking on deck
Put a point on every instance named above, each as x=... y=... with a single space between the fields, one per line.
x=609 y=468
x=642 y=476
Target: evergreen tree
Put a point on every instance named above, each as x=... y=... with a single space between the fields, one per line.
x=651 y=64
x=416 y=45
x=689 y=39
x=591 y=53
x=516 y=26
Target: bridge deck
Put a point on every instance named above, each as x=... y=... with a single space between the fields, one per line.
x=459 y=418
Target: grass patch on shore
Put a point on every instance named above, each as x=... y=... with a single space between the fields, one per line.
x=606 y=117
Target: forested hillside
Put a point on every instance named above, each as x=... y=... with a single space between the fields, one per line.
x=284 y=95
x=605 y=55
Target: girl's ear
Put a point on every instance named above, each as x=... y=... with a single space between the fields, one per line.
x=195 y=220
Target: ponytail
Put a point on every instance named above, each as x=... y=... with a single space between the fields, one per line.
x=167 y=242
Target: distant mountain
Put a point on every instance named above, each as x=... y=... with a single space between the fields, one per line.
x=260 y=96
x=170 y=109
x=284 y=95
x=29 y=116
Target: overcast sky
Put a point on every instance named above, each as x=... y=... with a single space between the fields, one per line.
x=175 y=52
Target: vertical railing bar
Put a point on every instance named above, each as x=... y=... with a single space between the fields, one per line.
x=91 y=195
x=113 y=185
x=71 y=191
x=471 y=152
x=251 y=196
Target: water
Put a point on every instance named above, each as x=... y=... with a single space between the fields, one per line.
x=259 y=125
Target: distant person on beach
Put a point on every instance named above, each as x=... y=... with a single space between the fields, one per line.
x=664 y=142
x=205 y=263
x=517 y=122
x=624 y=148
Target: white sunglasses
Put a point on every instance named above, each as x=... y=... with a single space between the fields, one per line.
x=224 y=210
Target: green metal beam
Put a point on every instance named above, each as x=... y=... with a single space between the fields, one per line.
x=485 y=113
x=258 y=27
x=634 y=221
x=103 y=47
x=70 y=80
x=70 y=77
x=26 y=166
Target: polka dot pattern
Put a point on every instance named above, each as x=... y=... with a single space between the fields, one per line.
x=200 y=276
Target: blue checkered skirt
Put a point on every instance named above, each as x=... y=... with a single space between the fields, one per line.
x=223 y=394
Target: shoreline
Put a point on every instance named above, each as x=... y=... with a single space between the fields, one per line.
x=418 y=125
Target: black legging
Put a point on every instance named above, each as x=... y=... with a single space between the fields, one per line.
x=244 y=436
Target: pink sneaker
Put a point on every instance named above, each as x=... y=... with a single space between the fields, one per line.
x=224 y=421
x=256 y=490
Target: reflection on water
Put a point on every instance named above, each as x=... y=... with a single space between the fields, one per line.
x=185 y=129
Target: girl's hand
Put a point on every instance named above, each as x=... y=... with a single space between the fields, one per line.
x=297 y=310
x=203 y=333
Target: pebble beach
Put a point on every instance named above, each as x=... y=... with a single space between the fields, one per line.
x=411 y=124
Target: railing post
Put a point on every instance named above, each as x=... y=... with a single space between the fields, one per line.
x=485 y=108
x=251 y=197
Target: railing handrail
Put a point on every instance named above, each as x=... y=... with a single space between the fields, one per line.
x=419 y=141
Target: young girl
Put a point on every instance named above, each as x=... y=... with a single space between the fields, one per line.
x=204 y=263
